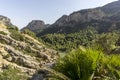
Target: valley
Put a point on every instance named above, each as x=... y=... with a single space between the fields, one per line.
x=84 y=45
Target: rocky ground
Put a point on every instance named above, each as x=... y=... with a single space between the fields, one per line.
x=29 y=56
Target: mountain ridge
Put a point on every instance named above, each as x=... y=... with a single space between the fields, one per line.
x=73 y=22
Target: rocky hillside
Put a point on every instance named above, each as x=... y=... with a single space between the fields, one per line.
x=22 y=52
x=108 y=15
x=36 y=26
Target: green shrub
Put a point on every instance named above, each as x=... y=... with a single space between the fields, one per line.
x=30 y=33
x=107 y=41
x=89 y=64
x=6 y=56
x=17 y=35
x=29 y=51
x=2 y=32
x=79 y=65
x=3 y=41
x=12 y=27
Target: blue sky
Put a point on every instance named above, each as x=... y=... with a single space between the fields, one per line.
x=21 y=12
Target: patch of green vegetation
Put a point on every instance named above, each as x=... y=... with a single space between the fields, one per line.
x=107 y=41
x=87 y=37
x=67 y=42
x=12 y=28
x=29 y=51
x=30 y=33
x=6 y=56
x=12 y=74
x=89 y=64
x=2 y=32
x=16 y=34
x=3 y=41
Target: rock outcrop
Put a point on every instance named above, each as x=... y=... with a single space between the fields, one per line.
x=36 y=26
x=5 y=20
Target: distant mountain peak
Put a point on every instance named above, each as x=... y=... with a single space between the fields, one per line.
x=36 y=26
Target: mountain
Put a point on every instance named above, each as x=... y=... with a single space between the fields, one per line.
x=81 y=27
x=21 y=54
x=79 y=20
x=112 y=8
x=36 y=26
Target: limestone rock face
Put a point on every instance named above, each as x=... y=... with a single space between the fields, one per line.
x=81 y=16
